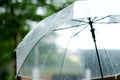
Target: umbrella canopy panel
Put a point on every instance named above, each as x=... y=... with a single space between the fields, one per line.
x=44 y=27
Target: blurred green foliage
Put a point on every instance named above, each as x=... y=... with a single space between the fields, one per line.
x=13 y=27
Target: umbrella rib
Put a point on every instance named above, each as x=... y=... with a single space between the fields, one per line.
x=106 y=22
x=102 y=18
x=79 y=31
x=116 y=19
x=60 y=75
x=29 y=54
x=68 y=27
x=113 y=17
x=79 y=20
x=109 y=60
x=94 y=19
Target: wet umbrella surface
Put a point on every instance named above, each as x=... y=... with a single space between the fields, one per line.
x=79 y=42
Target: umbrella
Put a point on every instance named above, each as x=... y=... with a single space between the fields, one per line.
x=61 y=46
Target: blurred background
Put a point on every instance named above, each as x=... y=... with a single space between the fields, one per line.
x=17 y=18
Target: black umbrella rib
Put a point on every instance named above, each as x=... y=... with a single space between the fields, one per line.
x=95 y=21
x=69 y=27
x=101 y=18
x=105 y=22
x=79 y=21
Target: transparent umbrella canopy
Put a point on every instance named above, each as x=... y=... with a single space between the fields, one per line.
x=61 y=46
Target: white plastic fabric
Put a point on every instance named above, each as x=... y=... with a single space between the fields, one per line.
x=94 y=8
x=61 y=36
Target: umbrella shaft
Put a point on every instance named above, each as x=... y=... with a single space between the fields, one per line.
x=98 y=57
x=94 y=39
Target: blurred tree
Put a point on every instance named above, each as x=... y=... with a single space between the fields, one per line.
x=16 y=17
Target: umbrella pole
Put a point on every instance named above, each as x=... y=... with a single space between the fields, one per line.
x=94 y=39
